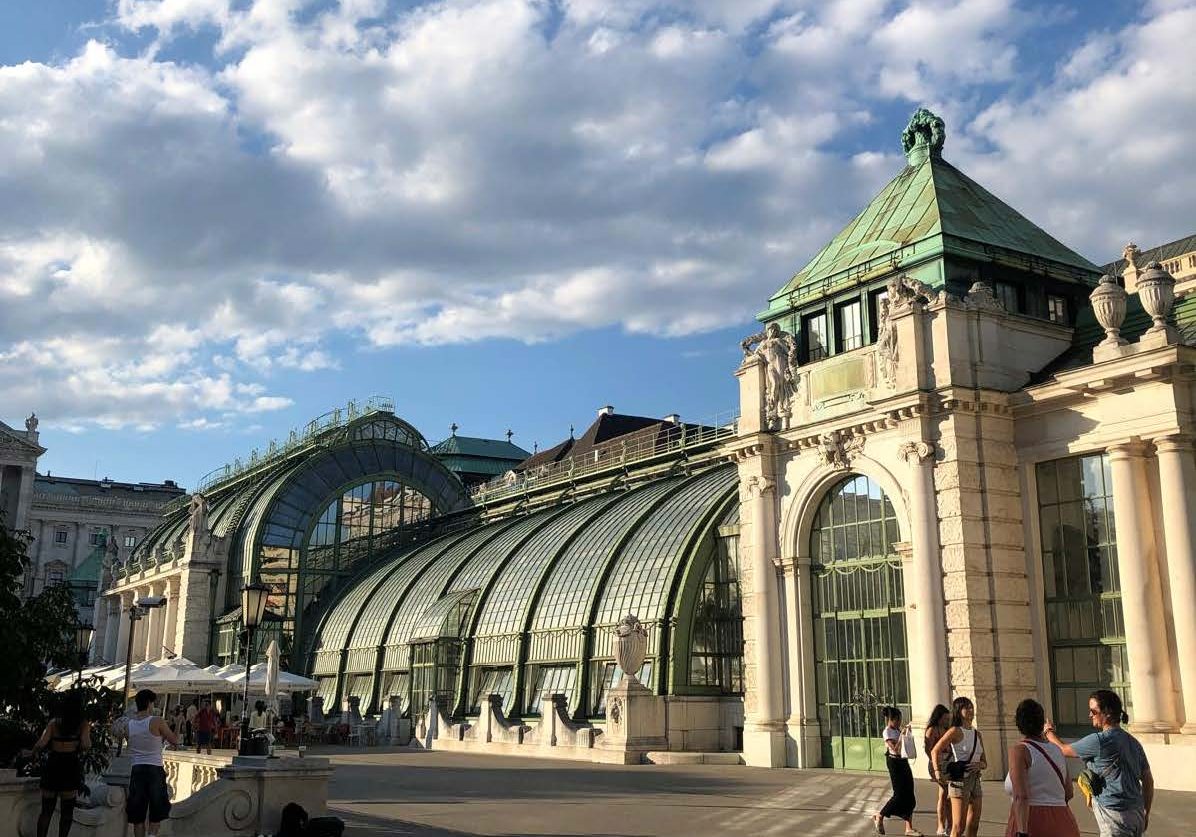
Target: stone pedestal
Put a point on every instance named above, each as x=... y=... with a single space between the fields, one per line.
x=635 y=718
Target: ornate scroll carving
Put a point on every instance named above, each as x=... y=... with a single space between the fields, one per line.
x=758 y=486
x=778 y=350
x=837 y=452
x=905 y=290
x=916 y=452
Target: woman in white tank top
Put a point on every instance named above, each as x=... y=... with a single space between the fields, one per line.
x=1038 y=781
x=963 y=771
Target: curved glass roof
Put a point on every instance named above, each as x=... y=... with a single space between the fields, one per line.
x=556 y=571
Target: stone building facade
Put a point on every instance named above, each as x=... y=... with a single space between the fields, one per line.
x=971 y=498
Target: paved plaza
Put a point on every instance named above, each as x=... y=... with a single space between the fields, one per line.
x=435 y=794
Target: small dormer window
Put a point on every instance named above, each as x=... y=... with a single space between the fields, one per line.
x=849 y=326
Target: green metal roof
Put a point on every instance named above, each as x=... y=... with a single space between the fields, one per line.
x=928 y=210
x=473 y=446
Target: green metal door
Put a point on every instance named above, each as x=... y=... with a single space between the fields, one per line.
x=860 y=650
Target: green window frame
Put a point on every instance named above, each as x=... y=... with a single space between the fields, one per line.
x=716 y=641
x=1081 y=585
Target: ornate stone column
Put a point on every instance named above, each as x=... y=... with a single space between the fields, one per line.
x=139 y=629
x=153 y=633
x=1141 y=592
x=124 y=600
x=1177 y=490
x=172 y=614
x=764 y=738
x=924 y=585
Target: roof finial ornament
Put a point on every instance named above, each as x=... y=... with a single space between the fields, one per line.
x=570 y=431
x=454 y=427
x=510 y=433
x=923 y=137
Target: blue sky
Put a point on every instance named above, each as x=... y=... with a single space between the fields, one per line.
x=220 y=218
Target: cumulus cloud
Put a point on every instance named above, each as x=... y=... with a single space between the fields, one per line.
x=175 y=234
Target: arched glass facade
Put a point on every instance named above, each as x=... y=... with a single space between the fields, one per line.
x=860 y=649
x=527 y=604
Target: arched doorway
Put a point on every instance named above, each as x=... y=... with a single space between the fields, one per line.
x=860 y=649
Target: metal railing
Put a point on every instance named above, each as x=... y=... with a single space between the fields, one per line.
x=297 y=440
x=46 y=498
x=618 y=454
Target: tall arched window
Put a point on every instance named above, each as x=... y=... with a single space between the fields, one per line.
x=860 y=650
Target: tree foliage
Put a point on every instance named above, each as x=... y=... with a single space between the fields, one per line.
x=38 y=635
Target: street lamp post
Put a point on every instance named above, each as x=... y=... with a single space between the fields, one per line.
x=136 y=612
x=83 y=633
x=253 y=609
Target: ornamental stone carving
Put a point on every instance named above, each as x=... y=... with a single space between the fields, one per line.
x=916 y=452
x=1156 y=289
x=836 y=452
x=31 y=423
x=905 y=290
x=777 y=349
x=980 y=297
x=1130 y=253
x=887 y=352
x=631 y=646
x=1108 y=304
x=758 y=486
x=923 y=137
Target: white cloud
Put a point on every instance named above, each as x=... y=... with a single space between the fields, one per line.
x=178 y=233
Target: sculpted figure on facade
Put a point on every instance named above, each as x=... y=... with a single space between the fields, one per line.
x=926 y=126
x=1130 y=253
x=905 y=290
x=31 y=423
x=778 y=350
x=837 y=452
x=887 y=352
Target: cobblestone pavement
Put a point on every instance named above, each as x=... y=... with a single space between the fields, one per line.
x=431 y=794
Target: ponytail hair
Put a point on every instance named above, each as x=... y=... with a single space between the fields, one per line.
x=1109 y=704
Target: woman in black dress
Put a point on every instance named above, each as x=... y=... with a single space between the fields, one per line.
x=65 y=737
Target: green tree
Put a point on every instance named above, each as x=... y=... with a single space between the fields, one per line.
x=39 y=634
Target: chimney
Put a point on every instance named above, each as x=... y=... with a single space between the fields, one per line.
x=607 y=410
x=673 y=418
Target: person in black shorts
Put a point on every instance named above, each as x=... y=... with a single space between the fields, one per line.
x=148 y=795
x=65 y=737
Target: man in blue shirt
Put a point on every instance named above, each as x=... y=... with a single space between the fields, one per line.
x=1122 y=807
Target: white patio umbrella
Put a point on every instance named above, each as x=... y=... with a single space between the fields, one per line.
x=287 y=682
x=272 y=655
x=116 y=679
x=181 y=675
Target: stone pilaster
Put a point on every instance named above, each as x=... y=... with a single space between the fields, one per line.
x=985 y=589
x=1142 y=606
x=804 y=731
x=172 y=613
x=139 y=630
x=122 y=635
x=1177 y=483
x=112 y=634
x=99 y=623
x=193 y=620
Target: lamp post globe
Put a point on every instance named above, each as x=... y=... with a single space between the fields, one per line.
x=253 y=610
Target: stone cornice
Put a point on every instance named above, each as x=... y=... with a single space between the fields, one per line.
x=1138 y=367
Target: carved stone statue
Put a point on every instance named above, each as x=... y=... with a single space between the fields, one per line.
x=778 y=350
x=31 y=423
x=199 y=515
x=928 y=128
x=905 y=290
x=887 y=353
x=1130 y=253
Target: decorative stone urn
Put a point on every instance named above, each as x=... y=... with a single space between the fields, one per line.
x=1156 y=289
x=631 y=646
x=1108 y=303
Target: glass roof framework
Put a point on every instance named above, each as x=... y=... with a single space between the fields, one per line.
x=535 y=589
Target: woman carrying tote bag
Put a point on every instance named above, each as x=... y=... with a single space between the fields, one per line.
x=902 y=803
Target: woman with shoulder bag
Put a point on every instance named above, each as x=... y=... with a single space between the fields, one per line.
x=936 y=727
x=966 y=746
x=902 y=803
x=1037 y=781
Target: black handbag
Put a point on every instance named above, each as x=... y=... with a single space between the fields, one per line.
x=956 y=770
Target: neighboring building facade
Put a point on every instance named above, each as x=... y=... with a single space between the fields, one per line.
x=71 y=518
x=19 y=451
x=476 y=460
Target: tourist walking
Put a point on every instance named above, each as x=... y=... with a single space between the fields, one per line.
x=966 y=746
x=1037 y=781
x=192 y=711
x=939 y=723
x=1118 y=775
x=205 y=727
x=902 y=803
x=149 y=797
x=65 y=737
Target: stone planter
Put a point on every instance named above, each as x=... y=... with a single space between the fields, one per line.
x=1108 y=304
x=1156 y=289
x=631 y=646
